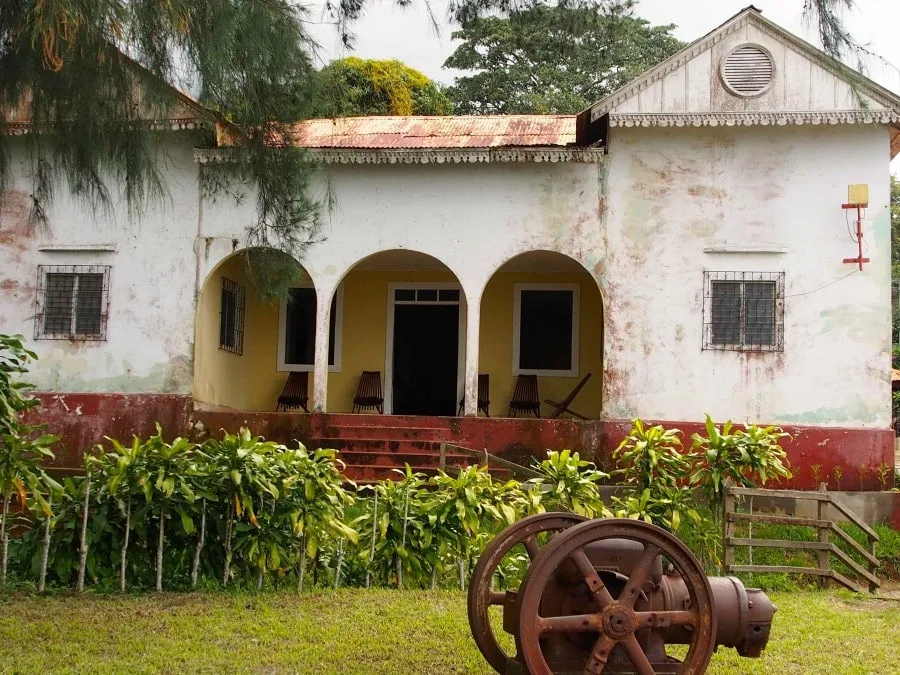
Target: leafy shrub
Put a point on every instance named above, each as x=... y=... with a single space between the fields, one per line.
x=651 y=462
x=749 y=457
x=22 y=452
x=571 y=483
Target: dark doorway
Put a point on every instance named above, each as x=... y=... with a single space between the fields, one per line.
x=426 y=356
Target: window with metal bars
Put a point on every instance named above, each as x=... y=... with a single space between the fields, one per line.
x=743 y=311
x=72 y=302
x=231 y=319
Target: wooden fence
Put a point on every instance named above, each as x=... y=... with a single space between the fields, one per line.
x=484 y=458
x=826 y=550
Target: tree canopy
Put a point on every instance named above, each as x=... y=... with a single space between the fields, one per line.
x=553 y=59
x=354 y=86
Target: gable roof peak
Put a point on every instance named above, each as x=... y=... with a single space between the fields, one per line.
x=748 y=26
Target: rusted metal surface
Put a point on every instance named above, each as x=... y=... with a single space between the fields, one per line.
x=417 y=132
x=481 y=596
x=595 y=599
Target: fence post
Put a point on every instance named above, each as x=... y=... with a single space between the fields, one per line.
x=873 y=587
x=728 y=532
x=822 y=554
x=443 y=457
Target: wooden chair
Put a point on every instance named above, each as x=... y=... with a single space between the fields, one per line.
x=525 y=398
x=563 y=406
x=484 y=396
x=295 y=393
x=368 y=394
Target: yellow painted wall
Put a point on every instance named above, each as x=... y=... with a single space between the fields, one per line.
x=496 y=348
x=251 y=381
x=365 y=329
x=248 y=381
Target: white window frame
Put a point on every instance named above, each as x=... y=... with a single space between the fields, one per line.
x=575 y=288
x=283 y=367
x=389 y=337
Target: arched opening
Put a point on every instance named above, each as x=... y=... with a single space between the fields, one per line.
x=404 y=316
x=542 y=316
x=247 y=343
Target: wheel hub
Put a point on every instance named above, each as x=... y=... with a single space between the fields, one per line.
x=618 y=622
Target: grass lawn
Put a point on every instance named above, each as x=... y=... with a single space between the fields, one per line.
x=377 y=631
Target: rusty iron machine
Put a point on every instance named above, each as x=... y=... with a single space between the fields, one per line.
x=608 y=596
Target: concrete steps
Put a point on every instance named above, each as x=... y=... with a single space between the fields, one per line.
x=392 y=433
x=373 y=446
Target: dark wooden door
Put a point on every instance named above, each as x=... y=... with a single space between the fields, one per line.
x=426 y=359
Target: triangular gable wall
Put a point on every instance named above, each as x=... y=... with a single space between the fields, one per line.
x=806 y=79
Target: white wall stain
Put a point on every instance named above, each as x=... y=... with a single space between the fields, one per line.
x=668 y=195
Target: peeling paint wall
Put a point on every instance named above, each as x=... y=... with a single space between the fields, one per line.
x=151 y=306
x=767 y=200
x=639 y=224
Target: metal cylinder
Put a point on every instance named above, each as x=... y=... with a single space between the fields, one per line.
x=743 y=615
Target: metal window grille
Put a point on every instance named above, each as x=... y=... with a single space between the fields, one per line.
x=743 y=311
x=231 y=321
x=72 y=302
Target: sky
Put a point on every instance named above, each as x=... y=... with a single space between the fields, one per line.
x=387 y=31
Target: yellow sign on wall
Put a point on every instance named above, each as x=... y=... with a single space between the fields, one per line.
x=858 y=194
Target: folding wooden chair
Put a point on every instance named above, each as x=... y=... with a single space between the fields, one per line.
x=525 y=398
x=295 y=393
x=484 y=396
x=368 y=394
x=563 y=406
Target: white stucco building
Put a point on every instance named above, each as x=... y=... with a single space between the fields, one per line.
x=683 y=241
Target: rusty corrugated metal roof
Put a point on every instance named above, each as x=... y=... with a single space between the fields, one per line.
x=417 y=132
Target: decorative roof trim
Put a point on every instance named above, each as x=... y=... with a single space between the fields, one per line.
x=670 y=65
x=175 y=124
x=434 y=156
x=749 y=119
x=733 y=25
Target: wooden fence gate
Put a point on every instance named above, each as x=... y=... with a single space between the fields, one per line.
x=826 y=550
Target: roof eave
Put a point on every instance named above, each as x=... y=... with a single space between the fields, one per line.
x=506 y=154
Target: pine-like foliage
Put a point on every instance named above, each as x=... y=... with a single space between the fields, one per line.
x=827 y=17
x=74 y=68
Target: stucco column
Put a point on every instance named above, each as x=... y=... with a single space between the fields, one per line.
x=473 y=324
x=320 y=363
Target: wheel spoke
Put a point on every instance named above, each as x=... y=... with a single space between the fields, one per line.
x=639 y=660
x=666 y=619
x=594 y=582
x=632 y=590
x=599 y=655
x=531 y=546
x=577 y=623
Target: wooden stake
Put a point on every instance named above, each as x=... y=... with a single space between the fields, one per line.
x=82 y=560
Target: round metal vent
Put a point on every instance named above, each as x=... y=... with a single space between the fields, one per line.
x=748 y=70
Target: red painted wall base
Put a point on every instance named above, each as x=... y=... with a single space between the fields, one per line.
x=83 y=420
x=844 y=458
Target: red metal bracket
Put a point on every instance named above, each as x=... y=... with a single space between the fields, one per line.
x=859 y=260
